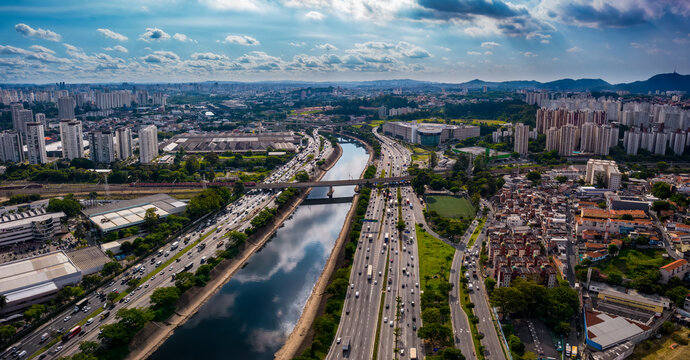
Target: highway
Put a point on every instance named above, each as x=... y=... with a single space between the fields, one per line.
x=235 y=217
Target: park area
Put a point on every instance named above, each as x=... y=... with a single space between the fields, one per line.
x=666 y=347
x=450 y=206
x=632 y=262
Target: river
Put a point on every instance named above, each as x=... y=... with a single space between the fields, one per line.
x=252 y=315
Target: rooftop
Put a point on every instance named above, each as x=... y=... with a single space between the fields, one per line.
x=127 y=213
x=607 y=330
x=674 y=265
x=20 y=274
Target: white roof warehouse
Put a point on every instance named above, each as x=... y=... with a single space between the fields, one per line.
x=123 y=214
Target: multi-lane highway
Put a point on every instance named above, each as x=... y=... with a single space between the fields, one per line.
x=236 y=216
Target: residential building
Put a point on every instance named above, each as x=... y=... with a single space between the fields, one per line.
x=677 y=268
x=148 y=144
x=71 y=136
x=11 y=149
x=15 y=108
x=24 y=116
x=101 y=145
x=521 y=139
x=41 y=118
x=606 y=170
x=66 y=107
x=36 y=143
x=124 y=144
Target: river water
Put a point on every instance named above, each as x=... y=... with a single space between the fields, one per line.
x=252 y=315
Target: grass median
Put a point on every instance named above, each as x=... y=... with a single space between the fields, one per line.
x=468 y=308
x=476 y=232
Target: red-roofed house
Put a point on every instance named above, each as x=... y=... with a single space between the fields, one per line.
x=677 y=268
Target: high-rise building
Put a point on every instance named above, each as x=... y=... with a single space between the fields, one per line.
x=602 y=142
x=101 y=146
x=11 y=149
x=36 y=143
x=569 y=138
x=72 y=137
x=587 y=138
x=148 y=144
x=66 y=108
x=123 y=138
x=15 y=108
x=41 y=118
x=24 y=116
x=521 y=138
x=604 y=170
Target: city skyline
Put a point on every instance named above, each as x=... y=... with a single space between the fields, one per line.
x=328 y=40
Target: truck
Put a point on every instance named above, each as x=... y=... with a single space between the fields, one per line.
x=370 y=269
x=346 y=344
x=78 y=306
x=413 y=353
x=44 y=337
x=371 y=237
x=574 y=352
x=105 y=314
x=188 y=266
x=174 y=245
x=136 y=268
x=385 y=237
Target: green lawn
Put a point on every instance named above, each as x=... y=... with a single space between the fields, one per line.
x=633 y=262
x=450 y=206
x=435 y=258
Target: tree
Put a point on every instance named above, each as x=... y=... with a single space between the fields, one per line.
x=237 y=237
x=184 y=281
x=490 y=284
x=613 y=249
x=516 y=345
x=115 y=334
x=110 y=268
x=151 y=219
x=3 y=301
x=302 y=176
x=165 y=296
x=451 y=353
x=438 y=335
x=192 y=165
x=89 y=347
x=509 y=299
x=6 y=332
x=661 y=205
x=431 y=315
x=70 y=206
x=662 y=166
x=533 y=176
x=135 y=317
x=561 y=179
x=112 y=296
x=627 y=217
x=90 y=281
x=433 y=160
x=35 y=311
x=661 y=190
x=677 y=295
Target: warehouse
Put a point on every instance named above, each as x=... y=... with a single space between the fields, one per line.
x=36 y=280
x=34 y=224
x=126 y=213
x=232 y=142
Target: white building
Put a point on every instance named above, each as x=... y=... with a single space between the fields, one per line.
x=521 y=139
x=101 y=145
x=607 y=170
x=66 y=108
x=11 y=149
x=148 y=144
x=124 y=144
x=34 y=224
x=36 y=143
x=71 y=136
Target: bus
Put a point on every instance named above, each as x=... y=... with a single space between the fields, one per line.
x=72 y=333
x=413 y=353
x=188 y=266
x=78 y=306
x=574 y=352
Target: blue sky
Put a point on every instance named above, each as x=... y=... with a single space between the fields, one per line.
x=249 y=40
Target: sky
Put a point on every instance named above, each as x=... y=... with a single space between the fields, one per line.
x=45 y=41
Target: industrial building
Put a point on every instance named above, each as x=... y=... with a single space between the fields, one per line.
x=232 y=142
x=36 y=280
x=35 y=224
x=604 y=331
x=429 y=134
x=126 y=213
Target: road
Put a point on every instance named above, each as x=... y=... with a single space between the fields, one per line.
x=236 y=216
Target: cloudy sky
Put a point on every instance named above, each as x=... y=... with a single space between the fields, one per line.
x=43 y=41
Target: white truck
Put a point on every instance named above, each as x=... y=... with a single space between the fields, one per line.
x=174 y=245
x=413 y=353
x=370 y=269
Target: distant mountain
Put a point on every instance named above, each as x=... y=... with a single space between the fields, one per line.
x=661 y=82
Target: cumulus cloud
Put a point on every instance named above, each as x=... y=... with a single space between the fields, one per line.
x=354 y=9
x=39 y=48
x=111 y=34
x=154 y=34
x=232 y=5
x=475 y=53
x=528 y=54
x=326 y=46
x=243 y=40
x=160 y=57
x=490 y=44
x=297 y=43
x=28 y=31
x=118 y=48
x=314 y=15
x=183 y=38
x=208 y=56
x=11 y=50
x=574 y=49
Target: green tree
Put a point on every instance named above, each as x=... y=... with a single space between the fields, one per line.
x=151 y=219
x=661 y=190
x=192 y=165
x=561 y=179
x=34 y=312
x=533 y=176
x=677 y=295
x=70 y=206
x=237 y=237
x=451 y=353
x=509 y=299
x=627 y=217
x=89 y=281
x=662 y=166
x=302 y=176
x=184 y=281
x=89 y=347
x=490 y=284
x=431 y=315
x=6 y=332
x=165 y=296
x=115 y=334
x=110 y=268
x=613 y=249
x=516 y=345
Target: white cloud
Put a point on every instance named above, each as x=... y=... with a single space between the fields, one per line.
x=488 y=53
x=208 y=56
x=160 y=57
x=39 y=48
x=327 y=47
x=529 y=54
x=154 y=34
x=232 y=5
x=11 y=50
x=118 y=48
x=490 y=44
x=355 y=9
x=111 y=34
x=574 y=49
x=475 y=53
x=314 y=15
x=241 y=40
x=298 y=43
x=28 y=31
x=183 y=38
x=545 y=41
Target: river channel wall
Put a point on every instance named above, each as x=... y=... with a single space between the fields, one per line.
x=303 y=334
x=154 y=334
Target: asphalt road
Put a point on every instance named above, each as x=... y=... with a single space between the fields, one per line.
x=236 y=217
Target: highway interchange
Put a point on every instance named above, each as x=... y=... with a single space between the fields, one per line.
x=236 y=216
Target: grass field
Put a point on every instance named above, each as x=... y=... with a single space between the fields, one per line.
x=450 y=206
x=661 y=349
x=435 y=258
x=632 y=262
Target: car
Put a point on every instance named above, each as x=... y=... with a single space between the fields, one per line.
x=389 y=289
x=385 y=319
x=57 y=349
x=356 y=293
x=390 y=323
x=66 y=319
x=146 y=285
